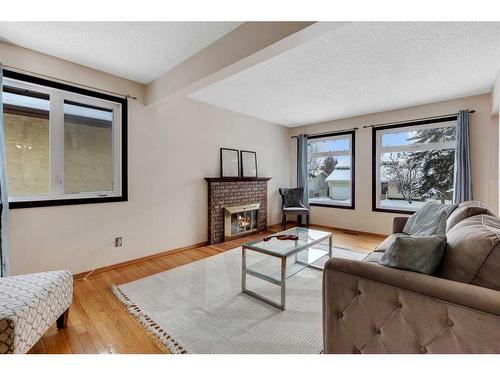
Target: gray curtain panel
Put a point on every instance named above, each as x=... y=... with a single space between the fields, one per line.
x=462 y=182
x=302 y=169
x=4 y=207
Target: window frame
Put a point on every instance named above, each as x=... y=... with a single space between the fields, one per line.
x=352 y=133
x=375 y=156
x=56 y=159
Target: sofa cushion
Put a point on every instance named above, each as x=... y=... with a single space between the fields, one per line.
x=295 y=211
x=472 y=254
x=465 y=210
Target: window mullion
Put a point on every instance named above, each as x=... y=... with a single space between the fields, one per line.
x=56 y=144
x=377 y=167
x=419 y=147
x=325 y=154
x=117 y=136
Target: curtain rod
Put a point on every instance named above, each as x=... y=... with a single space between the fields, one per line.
x=332 y=132
x=388 y=123
x=71 y=82
x=414 y=120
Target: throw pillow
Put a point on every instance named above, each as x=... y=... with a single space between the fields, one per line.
x=415 y=253
x=418 y=253
x=426 y=221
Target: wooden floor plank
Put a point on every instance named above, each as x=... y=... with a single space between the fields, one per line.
x=39 y=348
x=72 y=338
x=96 y=340
x=100 y=323
x=87 y=343
x=49 y=339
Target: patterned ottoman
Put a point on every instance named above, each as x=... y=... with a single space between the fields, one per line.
x=29 y=305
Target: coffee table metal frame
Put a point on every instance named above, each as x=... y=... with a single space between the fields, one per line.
x=283 y=257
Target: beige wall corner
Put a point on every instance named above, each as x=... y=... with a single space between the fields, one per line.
x=45 y=65
x=495 y=96
x=247 y=45
x=495 y=112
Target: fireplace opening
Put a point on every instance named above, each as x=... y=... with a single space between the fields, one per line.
x=241 y=220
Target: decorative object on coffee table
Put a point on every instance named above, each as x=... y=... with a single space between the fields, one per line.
x=229 y=162
x=292 y=204
x=248 y=163
x=282 y=237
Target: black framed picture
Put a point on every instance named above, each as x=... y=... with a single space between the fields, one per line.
x=229 y=162
x=248 y=163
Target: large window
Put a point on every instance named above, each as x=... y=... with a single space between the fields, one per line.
x=413 y=164
x=64 y=145
x=330 y=169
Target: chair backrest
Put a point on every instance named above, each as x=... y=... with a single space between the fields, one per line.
x=292 y=197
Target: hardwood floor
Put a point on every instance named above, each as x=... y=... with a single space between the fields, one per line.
x=99 y=323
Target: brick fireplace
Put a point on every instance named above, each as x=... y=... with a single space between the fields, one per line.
x=226 y=192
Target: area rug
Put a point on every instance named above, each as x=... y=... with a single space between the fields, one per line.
x=199 y=307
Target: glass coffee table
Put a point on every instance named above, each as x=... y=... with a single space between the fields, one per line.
x=294 y=256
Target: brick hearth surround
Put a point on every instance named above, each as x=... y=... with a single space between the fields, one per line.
x=233 y=191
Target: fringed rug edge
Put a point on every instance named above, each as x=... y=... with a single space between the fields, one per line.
x=153 y=328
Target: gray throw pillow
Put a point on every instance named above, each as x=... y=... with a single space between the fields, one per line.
x=426 y=220
x=418 y=253
x=415 y=253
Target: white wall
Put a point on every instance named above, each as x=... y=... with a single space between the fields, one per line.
x=495 y=110
x=484 y=155
x=495 y=96
x=171 y=150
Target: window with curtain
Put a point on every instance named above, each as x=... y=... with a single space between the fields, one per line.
x=64 y=145
x=413 y=164
x=330 y=170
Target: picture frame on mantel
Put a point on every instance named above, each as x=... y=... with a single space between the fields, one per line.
x=229 y=162
x=248 y=163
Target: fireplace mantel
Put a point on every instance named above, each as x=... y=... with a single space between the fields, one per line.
x=236 y=179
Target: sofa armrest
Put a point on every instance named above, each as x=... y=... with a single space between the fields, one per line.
x=398 y=224
x=375 y=309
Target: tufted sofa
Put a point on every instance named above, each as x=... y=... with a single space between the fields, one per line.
x=370 y=308
x=29 y=305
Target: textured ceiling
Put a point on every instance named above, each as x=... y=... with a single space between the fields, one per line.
x=140 y=51
x=363 y=68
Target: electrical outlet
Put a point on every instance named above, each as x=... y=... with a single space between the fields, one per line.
x=118 y=241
